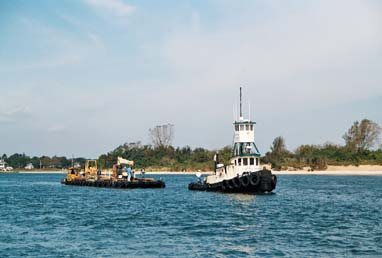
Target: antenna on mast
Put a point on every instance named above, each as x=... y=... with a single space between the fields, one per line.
x=234 y=112
x=241 y=113
x=249 y=110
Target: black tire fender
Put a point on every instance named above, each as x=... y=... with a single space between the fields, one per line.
x=244 y=180
x=254 y=179
x=236 y=182
x=227 y=184
x=274 y=180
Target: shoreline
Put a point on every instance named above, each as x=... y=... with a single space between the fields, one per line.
x=362 y=170
x=299 y=172
x=330 y=173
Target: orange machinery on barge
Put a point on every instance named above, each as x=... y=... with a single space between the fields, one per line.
x=93 y=176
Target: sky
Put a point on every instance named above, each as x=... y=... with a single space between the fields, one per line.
x=80 y=77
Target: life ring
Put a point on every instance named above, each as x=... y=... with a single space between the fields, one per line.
x=244 y=180
x=254 y=179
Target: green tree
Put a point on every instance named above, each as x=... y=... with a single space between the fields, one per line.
x=18 y=160
x=278 y=153
x=362 y=135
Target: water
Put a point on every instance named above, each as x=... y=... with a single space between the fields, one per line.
x=309 y=216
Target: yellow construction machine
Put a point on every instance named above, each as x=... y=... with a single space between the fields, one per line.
x=91 y=168
x=73 y=173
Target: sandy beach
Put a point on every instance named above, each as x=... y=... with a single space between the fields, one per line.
x=40 y=172
x=330 y=173
x=362 y=170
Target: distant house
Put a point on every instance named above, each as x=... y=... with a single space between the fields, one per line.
x=3 y=165
x=29 y=166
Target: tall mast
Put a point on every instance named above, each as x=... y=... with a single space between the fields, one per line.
x=241 y=113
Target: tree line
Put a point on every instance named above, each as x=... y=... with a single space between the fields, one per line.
x=360 y=147
x=145 y=156
x=20 y=160
x=164 y=157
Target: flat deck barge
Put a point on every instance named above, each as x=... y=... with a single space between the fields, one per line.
x=137 y=183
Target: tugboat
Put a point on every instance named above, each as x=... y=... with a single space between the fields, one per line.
x=92 y=176
x=243 y=174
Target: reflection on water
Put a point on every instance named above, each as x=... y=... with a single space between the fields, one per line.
x=243 y=198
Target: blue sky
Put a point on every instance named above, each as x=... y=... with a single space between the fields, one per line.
x=82 y=77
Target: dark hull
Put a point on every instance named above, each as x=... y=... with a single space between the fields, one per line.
x=262 y=181
x=116 y=184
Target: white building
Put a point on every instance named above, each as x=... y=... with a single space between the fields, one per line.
x=3 y=165
x=29 y=166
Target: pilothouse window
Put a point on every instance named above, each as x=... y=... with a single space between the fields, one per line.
x=239 y=161
x=257 y=161
x=251 y=127
x=251 y=161
x=236 y=127
x=245 y=161
x=247 y=127
x=241 y=127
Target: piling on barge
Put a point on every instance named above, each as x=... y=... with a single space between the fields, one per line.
x=243 y=174
x=94 y=177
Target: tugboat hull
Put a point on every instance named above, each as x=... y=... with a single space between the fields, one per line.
x=116 y=183
x=252 y=182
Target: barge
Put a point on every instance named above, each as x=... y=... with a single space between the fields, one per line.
x=136 y=183
x=121 y=177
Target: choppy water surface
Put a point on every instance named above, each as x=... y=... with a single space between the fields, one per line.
x=321 y=216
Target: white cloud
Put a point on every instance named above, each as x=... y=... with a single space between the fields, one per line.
x=115 y=7
x=51 y=47
x=315 y=53
x=13 y=113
